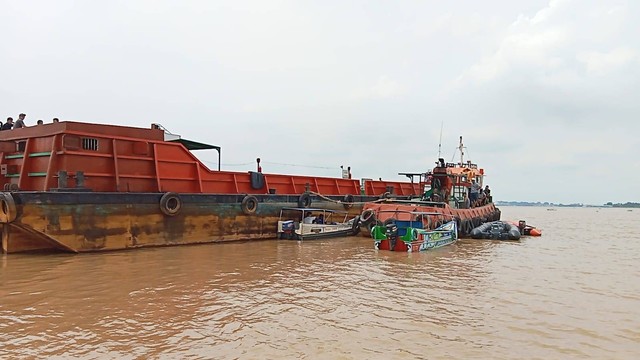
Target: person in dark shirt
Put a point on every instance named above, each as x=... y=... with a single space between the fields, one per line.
x=8 y=125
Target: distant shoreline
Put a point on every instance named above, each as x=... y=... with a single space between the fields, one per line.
x=630 y=205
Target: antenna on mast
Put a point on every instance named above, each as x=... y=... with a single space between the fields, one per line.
x=440 y=143
x=461 y=148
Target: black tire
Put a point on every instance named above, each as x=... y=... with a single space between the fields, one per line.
x=385 y=195
x=367 y=217
x=249 y=205
x=8 y=210
x=170 y=204
x=355 y=228
x=348 y=201
x=468 y=226
x=435 y=184
x=304 y=200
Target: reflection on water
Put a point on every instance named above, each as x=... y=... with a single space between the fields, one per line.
x=574 y=292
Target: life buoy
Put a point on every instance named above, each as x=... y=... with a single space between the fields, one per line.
x=8 y=211
x=170 y=204
x=304 y=200
x=249 y=205
x=355 y=228
x=347 y=201
x=367 y=217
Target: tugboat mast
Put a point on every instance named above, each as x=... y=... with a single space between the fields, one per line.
x=440 y=143
x=461 y=148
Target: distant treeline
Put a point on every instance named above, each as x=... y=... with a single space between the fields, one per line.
x=625 y=205
x=549 y=204
x=538 y=203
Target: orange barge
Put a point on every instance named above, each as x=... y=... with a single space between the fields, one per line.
x=81 y=187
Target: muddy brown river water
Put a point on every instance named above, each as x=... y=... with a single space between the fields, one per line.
x=572 y=293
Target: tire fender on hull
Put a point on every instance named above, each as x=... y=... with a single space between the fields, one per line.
x=348 y=201
x=355 y=229
x=249 y=205
x=8 y=210
x=170 y=204
x=304 y=200
x=368 y=216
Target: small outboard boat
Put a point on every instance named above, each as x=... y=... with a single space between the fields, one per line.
x=526 y=229
x=497 y=230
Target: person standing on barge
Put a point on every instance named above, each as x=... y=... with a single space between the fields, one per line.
x=20 y=122
x=8 y=125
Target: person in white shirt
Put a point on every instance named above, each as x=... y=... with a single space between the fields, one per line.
x=308 y=219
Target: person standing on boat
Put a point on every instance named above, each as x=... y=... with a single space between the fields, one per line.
x=465 y=201
x=8 y=125
x=20 y=122
x=487 y=193
x=475 y=190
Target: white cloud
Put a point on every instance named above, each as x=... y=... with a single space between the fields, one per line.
x=600 y=63
x=384 y=88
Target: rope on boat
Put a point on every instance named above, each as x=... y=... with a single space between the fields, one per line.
x=342 y=202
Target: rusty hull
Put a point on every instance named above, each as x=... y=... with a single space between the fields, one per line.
x=89 y=222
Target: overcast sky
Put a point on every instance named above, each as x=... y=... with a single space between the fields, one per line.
x=545 y=93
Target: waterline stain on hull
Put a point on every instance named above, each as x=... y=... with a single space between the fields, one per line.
x=88 y=222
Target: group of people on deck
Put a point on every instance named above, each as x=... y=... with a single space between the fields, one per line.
x=20 y=123
x=477 y=195
x=474 y=196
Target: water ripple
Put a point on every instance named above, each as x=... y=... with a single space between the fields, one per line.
x=572 y=293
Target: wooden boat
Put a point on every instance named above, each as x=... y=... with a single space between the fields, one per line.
x=81 y=187
x=312 y=224
x=496 y=230
x=410 y=239
x=446 y=187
